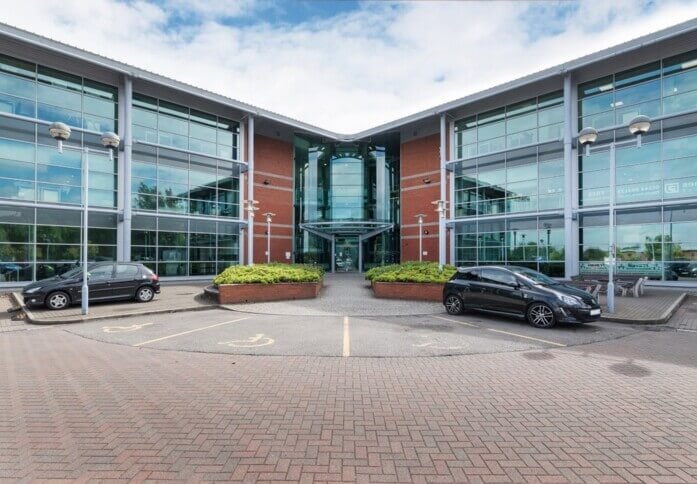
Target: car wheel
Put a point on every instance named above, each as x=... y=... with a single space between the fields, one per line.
x=453 y=304
x=57 y=300
x=541 y=316
x=145 y=294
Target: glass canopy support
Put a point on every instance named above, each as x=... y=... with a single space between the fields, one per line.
x=363 y=237
x=329 y=237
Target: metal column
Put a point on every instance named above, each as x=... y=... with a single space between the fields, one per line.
x=250 y=189
x=570 y=236
x=441 y=217
x=127 y=164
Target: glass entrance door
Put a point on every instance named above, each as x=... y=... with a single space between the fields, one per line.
x=346 y=254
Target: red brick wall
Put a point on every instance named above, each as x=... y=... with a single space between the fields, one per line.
x=273 y=163
x=419 y=160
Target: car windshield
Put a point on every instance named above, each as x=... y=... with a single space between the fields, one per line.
x=534 y=276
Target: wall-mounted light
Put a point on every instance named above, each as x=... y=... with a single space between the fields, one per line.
x=266 y=182
x=427 y=180
x=426 y=232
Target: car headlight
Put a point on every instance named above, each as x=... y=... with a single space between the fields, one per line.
x=570 y=300
x=32 y=290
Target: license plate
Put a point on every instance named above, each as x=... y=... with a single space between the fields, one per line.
x=595 y=312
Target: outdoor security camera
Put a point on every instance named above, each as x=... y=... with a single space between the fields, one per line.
x=59 y=131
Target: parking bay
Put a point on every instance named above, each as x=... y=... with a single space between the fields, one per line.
x=223 y=331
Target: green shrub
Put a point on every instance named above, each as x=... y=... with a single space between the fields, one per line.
x=422 y=272
x=269 y=274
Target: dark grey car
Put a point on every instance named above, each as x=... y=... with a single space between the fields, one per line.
x=107 y=281
x=519 y=292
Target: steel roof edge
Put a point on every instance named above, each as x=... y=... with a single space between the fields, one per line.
x=136 y=72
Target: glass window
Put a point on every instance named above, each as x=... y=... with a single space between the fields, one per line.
x=596 y=104
x=637 y=75
x=101 y=272
x=17 y=86
x=17 y=67
x=126 y=271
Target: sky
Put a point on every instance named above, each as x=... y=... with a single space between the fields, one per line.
x=346 y=65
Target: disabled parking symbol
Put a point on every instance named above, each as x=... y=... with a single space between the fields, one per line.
x=255 y=341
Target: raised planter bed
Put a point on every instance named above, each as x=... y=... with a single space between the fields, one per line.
x=415 y=291
x=250 y=293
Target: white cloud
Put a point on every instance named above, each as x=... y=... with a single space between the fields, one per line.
x=347 y=73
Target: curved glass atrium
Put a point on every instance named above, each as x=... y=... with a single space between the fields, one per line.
x=347 y=202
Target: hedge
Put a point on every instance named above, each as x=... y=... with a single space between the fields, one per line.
x=269 y=274
x=411 y=272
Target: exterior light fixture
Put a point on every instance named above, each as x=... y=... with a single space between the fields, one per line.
x=586 y=137
x=268 y=215
x=638 y=126
x=420 y=217
x=61 y=132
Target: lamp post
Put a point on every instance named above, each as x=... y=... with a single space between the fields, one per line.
x=61 y=132
x=421 y=216
x=522 y=236
x=268 y=236
x=549 y=232
x=440 y=208
x=251 y=207
x=586 y=137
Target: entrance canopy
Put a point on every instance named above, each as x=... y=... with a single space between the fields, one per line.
x=362 y=229
x=347 y=227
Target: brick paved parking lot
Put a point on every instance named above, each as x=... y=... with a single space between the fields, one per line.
x=610 y=411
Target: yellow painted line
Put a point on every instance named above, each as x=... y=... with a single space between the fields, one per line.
x=347 y=340
x=189 y=332
x=527 y=337
x=458 y=322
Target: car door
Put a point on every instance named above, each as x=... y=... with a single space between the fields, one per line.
x=502 y=291
x=126 y=280
x=99 y=281
x=470 y=287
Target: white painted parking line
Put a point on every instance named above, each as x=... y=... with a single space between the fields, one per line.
x=190 y=331
x=526 y=337
x=458 y=322
x=124 y=329
x=472 y=325
x=347 y=340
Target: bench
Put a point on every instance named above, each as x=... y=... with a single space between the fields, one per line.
x=624 y=285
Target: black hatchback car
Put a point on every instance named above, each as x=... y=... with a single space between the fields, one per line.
x=520 y=292
x=106 y=281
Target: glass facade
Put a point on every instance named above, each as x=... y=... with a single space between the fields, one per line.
x=523 y=180
x=524 y=173
x=660 y=88
x=36 y=243
x=166 y=178
x=175 y=247
x=31 y=168
x=664 y=168
x=509 y=189
x=660 y=242
x=535 y=242
x=346 y=189
x=528 y=122
x=656 y=241
x=168 y=124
